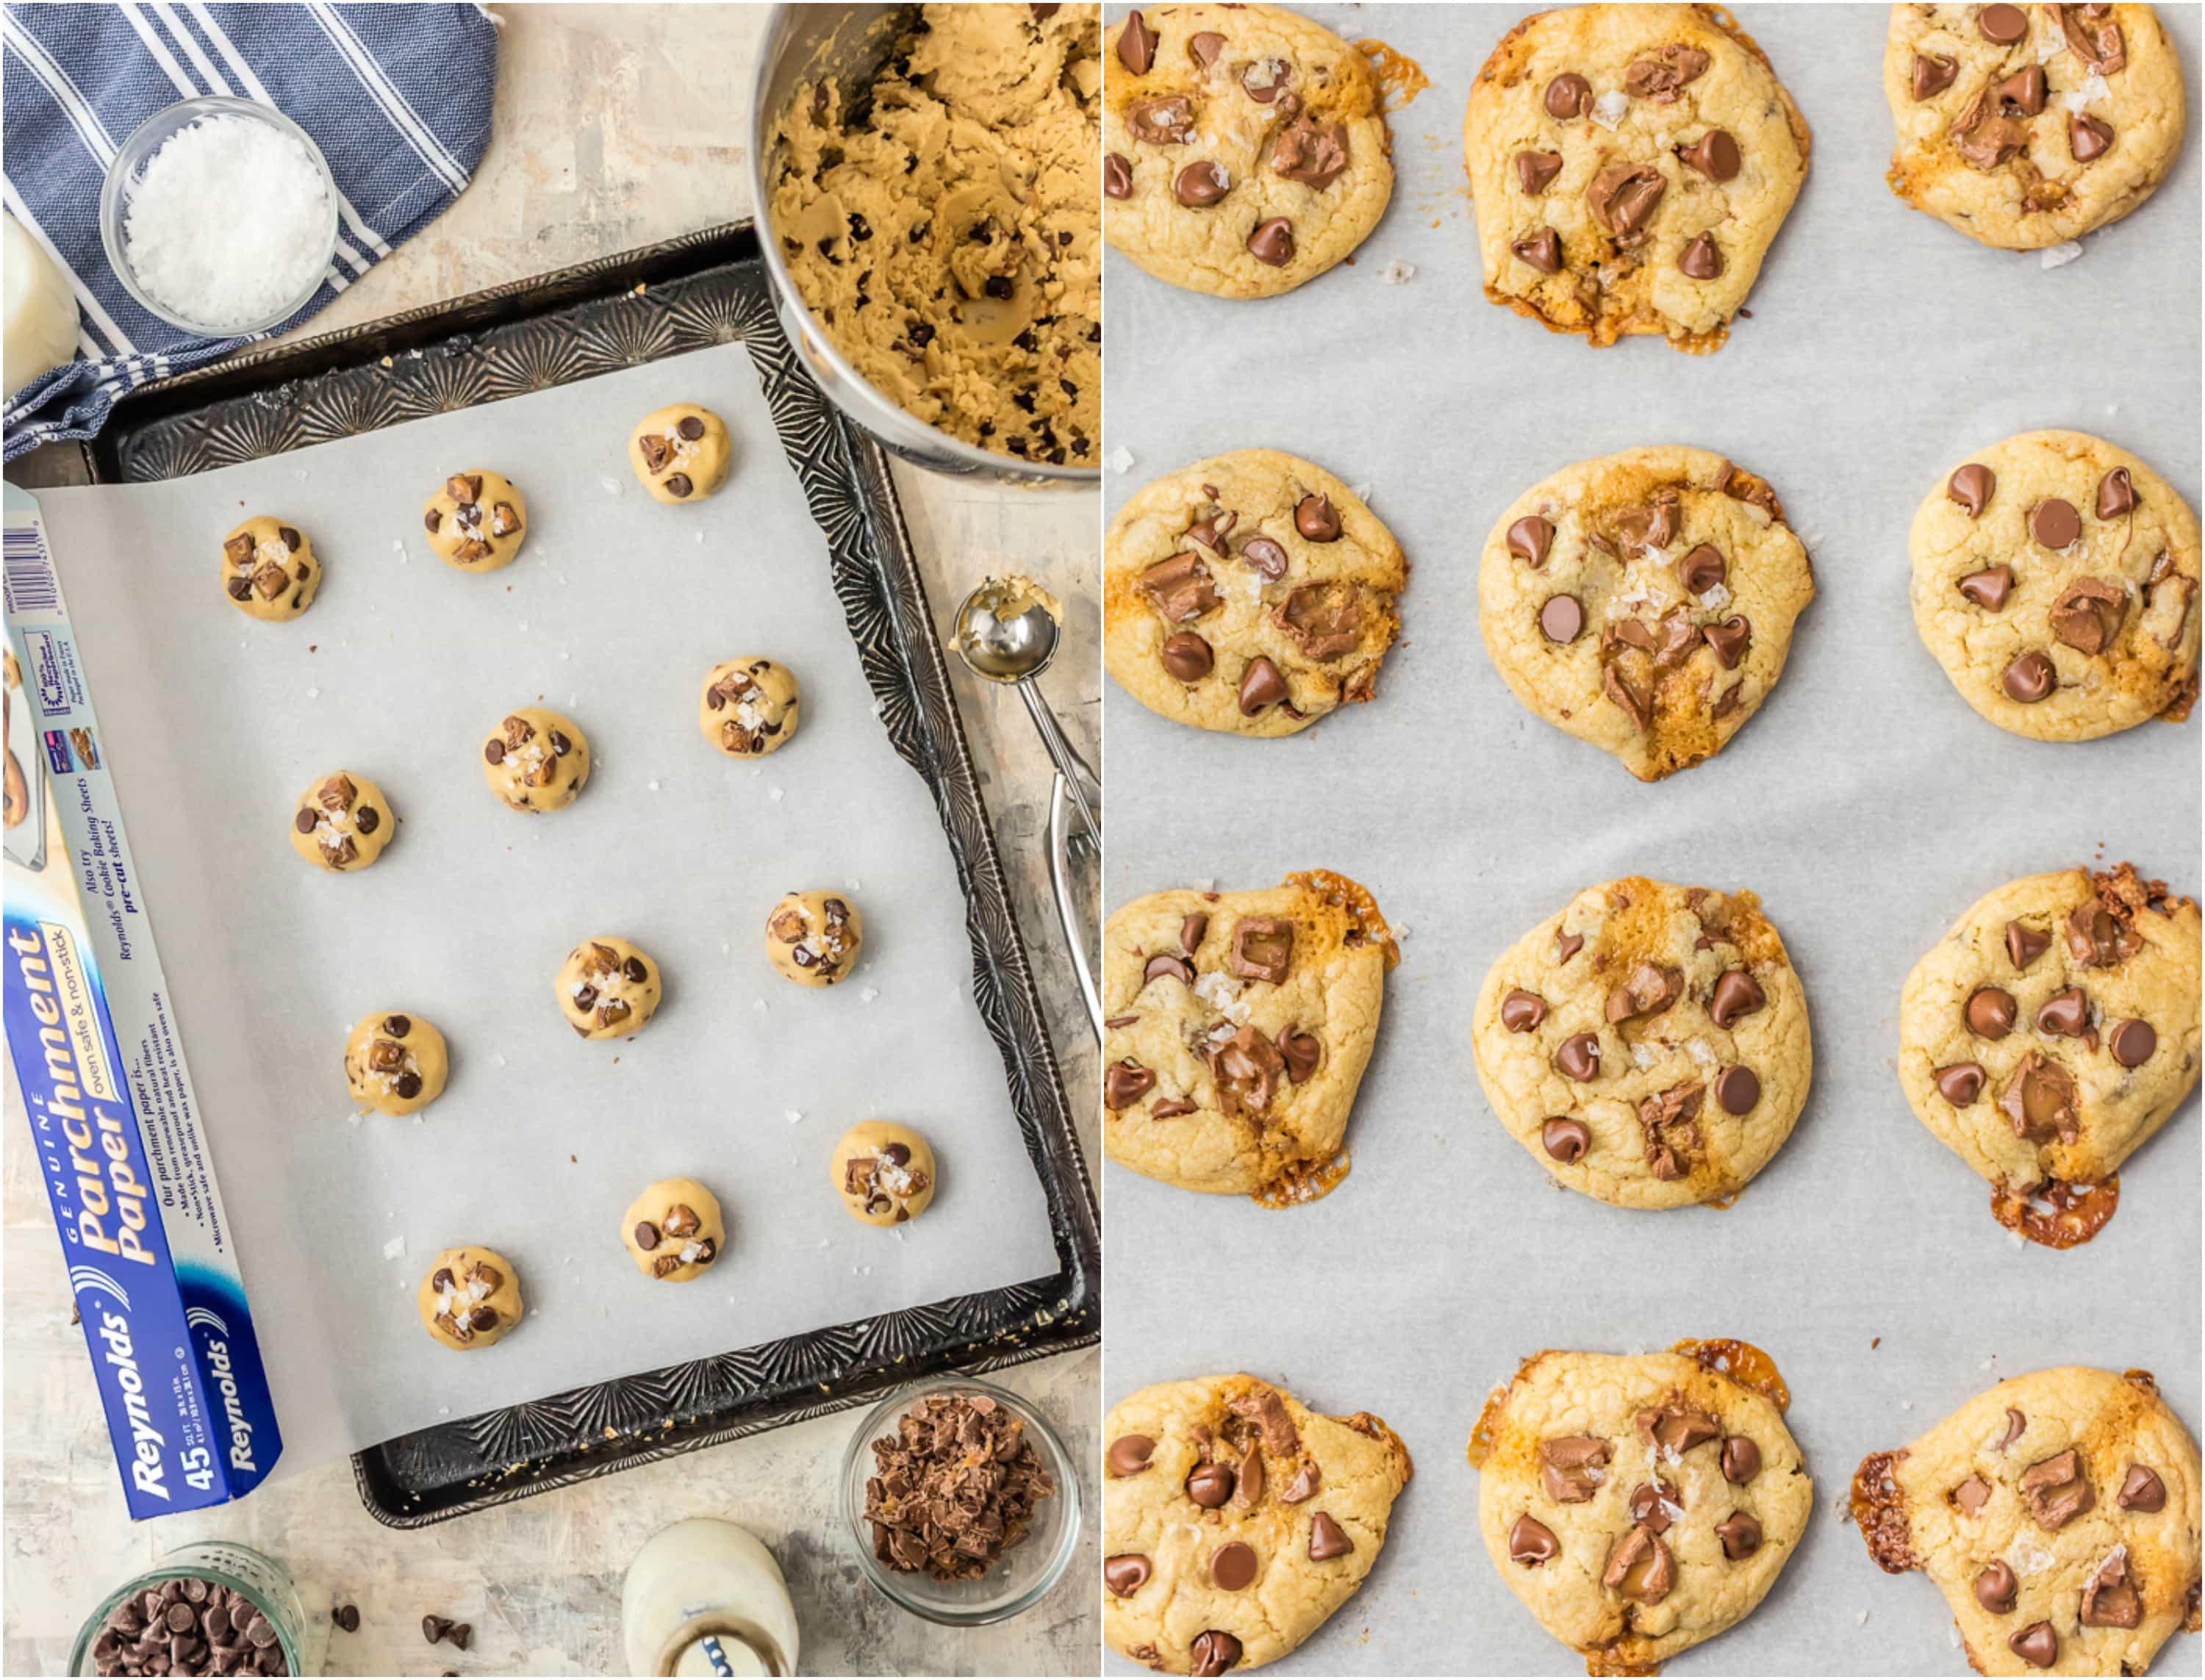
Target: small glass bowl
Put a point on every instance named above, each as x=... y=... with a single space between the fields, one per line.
x=1024 y=1575
x=122 y=177
x=262 y=1581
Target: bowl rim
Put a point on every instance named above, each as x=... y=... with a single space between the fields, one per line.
x=134 y=151
x=899 y=1589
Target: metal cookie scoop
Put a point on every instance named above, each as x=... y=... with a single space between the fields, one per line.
x=1008 y=633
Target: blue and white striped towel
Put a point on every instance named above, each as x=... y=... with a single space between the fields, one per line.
x=397 y=96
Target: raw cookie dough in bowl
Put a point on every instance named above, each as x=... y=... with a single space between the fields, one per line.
x=395 y=1063
x=2024 y=126
x=607 y=988
x=535 y=760
x=1639 y=1503
x=1236 y=1029
x=2057 y=1512
x=1236 y=1521
x=2055 y=579
x=2052 y=1031
x=1630 y=165
x=1644 y=602
x=674 y=1231
x=813 y=938
x=342 y=821
x=1250 y=593
x=750 y=706
x=269 y=569
x=1648 y=1046
x=944 y=240
x=884 y=1172
x=470 y=1298
x=1247 y=150
x=477 y=522
x=682 y=454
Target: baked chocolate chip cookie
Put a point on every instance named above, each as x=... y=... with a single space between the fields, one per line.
x=1249 y=593
x=2048 y=1034
x=2057 y=1512
x=1640 y=1503
x=1648 y=1045
x=2023 y=126
x=1239 y=1025
x=2055 y=579
x=1630 y=165
x=1245 y=147
x=1644 y=602
x=1235 y=1521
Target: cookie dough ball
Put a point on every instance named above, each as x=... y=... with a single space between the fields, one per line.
x=680 y=454
x=535 y=760
x=1630 y=165
x=1237 y=1026
x=395 y=1063
x=2023 y=125
x=2055 y=579
x=470 y=1299
x=674 y=1231
x=2058 y=1513
x=749 y=707
x=1644 y=602
x=1236 y=1521
x=478 y=521
x=1648 y=1046
x=1245 y=147
x=269 y=570
x=1251 y=593
x=341 y=823
x=2050 y=1032
x=884 y=1172
x=1640 y=1503
x=813 y=938
x=607 y=988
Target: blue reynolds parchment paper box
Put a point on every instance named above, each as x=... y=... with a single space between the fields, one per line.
x=119 y=1136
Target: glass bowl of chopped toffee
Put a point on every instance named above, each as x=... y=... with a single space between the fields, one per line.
x=962 y=1502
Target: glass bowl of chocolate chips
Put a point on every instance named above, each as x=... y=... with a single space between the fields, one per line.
x=962 y=1502
x=206 y=1608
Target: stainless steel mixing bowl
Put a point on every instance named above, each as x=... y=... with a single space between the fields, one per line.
x=849 y=44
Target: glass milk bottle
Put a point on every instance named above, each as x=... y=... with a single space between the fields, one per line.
x=706 y=1597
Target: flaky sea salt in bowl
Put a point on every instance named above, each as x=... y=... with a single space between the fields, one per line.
x=220 y=217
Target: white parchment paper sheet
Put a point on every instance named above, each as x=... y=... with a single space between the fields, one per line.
x=612 y=614
x=1867 y=805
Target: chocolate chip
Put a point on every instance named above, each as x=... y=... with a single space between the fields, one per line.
x=1304 y=1486
x=1736 y=995
x=2088 y=136
x=1205 y=47
x=1578 y=1058
x=1531 y=1543
x=1129 y=1455
x=678 y=483
x=1568 y=95
x=1933 y=73
x=997 y=286
x=1261 y=686
x=1212 y=1654
x=1562 y=618
x=1265 y=78
x=434 y=1628
x=2035 y=1644
x=1996 y=1587
x=1972 y=1495
x=1702 y=569
x=1124 y=1084
x=1263 y=555
x=409 y=1086
x=2024 y=944
x=1972 y=487
x=2116 y=494
x=1741 y=1459
x=1700 y=259
x=1272 y=242
x=1202 y=184
x=690 y=427
x=1136 y=44
x=2054 y=524
x=1317 y=519
x=2039 y=1100
x=1566 y=946
x=1729 y=637
x=1960 y=1082
x=1521 y=1011
x=2016 y=1425
x=1714 y=155
x=1736 y=1089
x=1991 y=1013
x=1209 y=1484
x=1640 y=1567
x=1535 y=171
x=1622 y=197
x=1542 y=250
x=367 y=819
x=345 y=1616
x=2004 y=24
x=1988 y=588
x=2064 y=1014
x=2056 y=1490
x=1117 y=176
x=1564 y=1139
x=1165 y=963
x=1740 y=1535
x=2142 y=1490
x=2029 y=678
x=1125 y=1574
x=1310 y=152
x=303 y=822
x=1530 y=538
x=2132 y=1043
x=633 y=967
x=240 y=588
x=1301 y=1052
x=1232 y=1566
x=2110 y=1598
x=2024 y=89
x=1187 y=657
x=1570 y=1468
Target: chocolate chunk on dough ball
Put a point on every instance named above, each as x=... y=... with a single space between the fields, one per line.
x=749 y=706
x=477 y=522
x=341 y=823
x=396 y=1062
x=884 y=1172
x=470 y=1298
x=680 y=454
x=607 y=988
x=269 y=570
